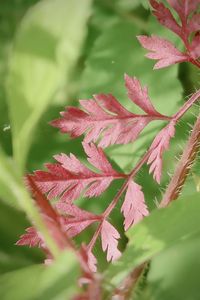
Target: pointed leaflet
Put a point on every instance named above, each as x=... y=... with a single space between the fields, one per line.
x=194 y=23
x=31 y=238
x=50 y=218
x=109 y=238
x=195 y=47
x=134 y=207
x=69 y=178
x=105 y=120
x=74 y=219
x=185 y=7
x=139 y=95
x=92 y=262
x=162 y=50
x=165 y=17
x=159 y=145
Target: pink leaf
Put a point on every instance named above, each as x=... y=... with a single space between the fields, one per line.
x=194 y=23
x=195 y=47
x=139 y=95
x=92 y=262
x=184 y=7
x=109 y=238
x=75 y=220
x=105 y=120
x=162 y=50
x=89 y=261
x=165 y=17
x=31 y=238
x=159 y=145
x=134 y=207
x=69 y=178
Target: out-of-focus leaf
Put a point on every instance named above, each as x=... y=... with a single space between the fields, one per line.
x=12 y=257
x=40 y=282
x=13 y=186
x=174 y=274
x=10 y=185
x=197 y=182
x=160 y=231
x=47 y=46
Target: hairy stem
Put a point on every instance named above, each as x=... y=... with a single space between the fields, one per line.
x=195 y=62
x=172 y=192
x=183 y=167
x=186 y=106
x=124 y=292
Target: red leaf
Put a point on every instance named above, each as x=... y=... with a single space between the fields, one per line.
x=109 y=238
x=162 y=50
x=92 y=262
x=69 y=177
x=49 y=216
x=184 y=7
x=194 y=23
x=165 y=17
x=159 y=145
x=75 y=219
x=195 y=47
x=31 y=238
x=134 y=207
x=106 y=120
x=140 y=95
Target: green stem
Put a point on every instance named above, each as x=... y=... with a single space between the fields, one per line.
x=10 y=179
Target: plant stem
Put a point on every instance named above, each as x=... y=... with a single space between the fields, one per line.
x=183 y=167
x=125 y=291
x=117 y=197
x=186 y=106
x=195 y=62
x=172 y=192
x=175 y=118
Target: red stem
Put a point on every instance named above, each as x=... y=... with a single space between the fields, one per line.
x=175 y=118
x=183 y=167
x=186 y=106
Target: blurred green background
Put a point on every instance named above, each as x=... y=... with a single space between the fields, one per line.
x=52 y=53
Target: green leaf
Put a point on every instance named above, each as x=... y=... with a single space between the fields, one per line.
x=158 y=232
x=12 y=225
x=39 y=282
x=47 y=46
x=174 y=274
x=197 y=182
x=13 y=186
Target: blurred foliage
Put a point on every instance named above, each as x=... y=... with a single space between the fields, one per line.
x=54 y=52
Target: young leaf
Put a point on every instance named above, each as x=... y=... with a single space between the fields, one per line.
x=159 y=145
x=104 y=118
x=184 y=8
x=165 y=17
x=195 y=47
x=109 y=238
x=75 y=220
x=30 y=238
x=134 y=207
x=92 y=262
x=194 y=23
x=140 y=95
x=69 y=177
x=162 y=50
